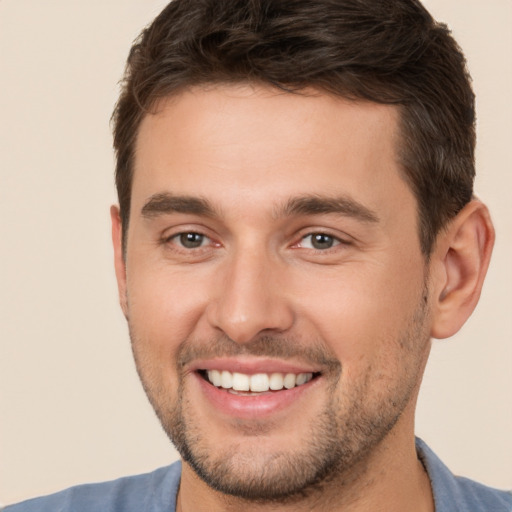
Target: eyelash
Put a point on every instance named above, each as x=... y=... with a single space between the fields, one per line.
x=319 y=235
x=178 y=240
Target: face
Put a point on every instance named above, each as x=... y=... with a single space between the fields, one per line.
x=274 y=285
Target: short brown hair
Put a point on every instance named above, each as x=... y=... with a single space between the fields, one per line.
x=386 y=51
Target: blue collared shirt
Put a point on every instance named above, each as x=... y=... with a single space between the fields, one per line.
x=157 y=491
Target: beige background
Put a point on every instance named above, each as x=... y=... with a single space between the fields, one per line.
x=71 y=408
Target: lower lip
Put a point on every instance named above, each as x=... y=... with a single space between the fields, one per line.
x=257 y=406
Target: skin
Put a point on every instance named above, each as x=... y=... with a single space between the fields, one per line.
x=255 y=294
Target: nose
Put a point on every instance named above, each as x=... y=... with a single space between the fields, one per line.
x=251 y=298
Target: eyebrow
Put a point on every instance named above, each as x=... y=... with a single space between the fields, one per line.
x=318 y=205
x=166 y=203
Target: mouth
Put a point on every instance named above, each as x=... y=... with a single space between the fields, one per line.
x=255 y=384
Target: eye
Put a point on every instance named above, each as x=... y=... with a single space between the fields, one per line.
x=319 y=241
x=190 y=240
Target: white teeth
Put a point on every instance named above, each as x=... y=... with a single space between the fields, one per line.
x=241 y=382
x=258 y=382
x=214 y=377
x=289 y=381
x=301 y=379
x=276 y=381
x=226 y=380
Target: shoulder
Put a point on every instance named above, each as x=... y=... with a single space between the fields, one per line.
x=484 y=498
x=453 y=493
x=150 y=492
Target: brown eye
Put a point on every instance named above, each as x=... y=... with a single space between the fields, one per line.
x=322 y=241
x=319 y=241
x=191 y=240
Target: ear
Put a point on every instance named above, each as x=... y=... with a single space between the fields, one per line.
x=119 y=261
x=458 y=267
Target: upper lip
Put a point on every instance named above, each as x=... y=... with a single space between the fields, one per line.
x=252 y=365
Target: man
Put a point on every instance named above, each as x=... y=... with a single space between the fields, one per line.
x=296 y=222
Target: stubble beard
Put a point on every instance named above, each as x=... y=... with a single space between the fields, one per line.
x=333 y=450
x=338 y=448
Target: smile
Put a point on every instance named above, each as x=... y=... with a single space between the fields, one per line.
x=256 y=383
x=253 y=390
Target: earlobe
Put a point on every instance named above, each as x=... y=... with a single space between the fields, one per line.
x=459 y=265
x=119 y=260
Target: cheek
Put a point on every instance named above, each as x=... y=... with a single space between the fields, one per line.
x=163 y=311
x=164 y=308
x=362 y=312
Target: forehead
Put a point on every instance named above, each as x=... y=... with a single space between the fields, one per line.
x=264 y=143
